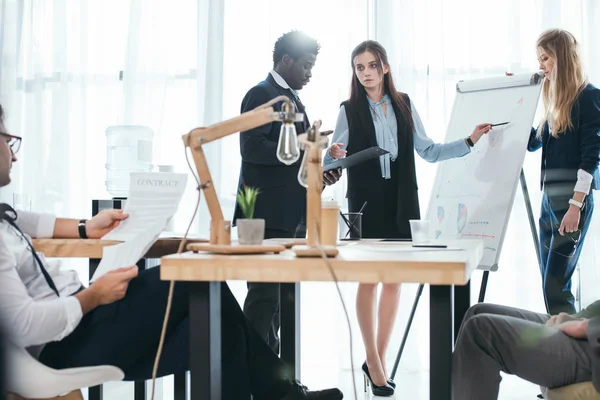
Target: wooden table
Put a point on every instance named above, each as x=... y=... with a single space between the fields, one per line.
x=448 y=271
x=92 y=248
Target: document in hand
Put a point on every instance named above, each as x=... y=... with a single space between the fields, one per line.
x=129 y=252
x=153 y=197
x=152 y=202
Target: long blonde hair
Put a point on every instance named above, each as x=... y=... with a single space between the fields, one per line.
x=560 y=93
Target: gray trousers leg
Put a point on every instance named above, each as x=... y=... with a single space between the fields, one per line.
x=496 y=338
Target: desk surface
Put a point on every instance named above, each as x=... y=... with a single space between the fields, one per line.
x=92 y=248
x=365 y=261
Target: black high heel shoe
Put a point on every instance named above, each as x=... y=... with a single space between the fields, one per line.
x=391 y=383
x=385 y=390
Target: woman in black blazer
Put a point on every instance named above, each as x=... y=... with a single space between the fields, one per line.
x=379 y=115
x=569 y=136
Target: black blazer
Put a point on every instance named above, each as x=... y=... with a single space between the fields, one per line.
x=282 y=200
x=365 y=181
x=578 y=148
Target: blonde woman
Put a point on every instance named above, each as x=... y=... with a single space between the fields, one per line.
x=569 y=136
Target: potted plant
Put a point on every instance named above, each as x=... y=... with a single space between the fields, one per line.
x=250 y=230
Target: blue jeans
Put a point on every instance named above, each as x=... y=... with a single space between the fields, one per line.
x=559 y=254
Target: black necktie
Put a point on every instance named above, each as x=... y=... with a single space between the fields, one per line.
x=304 y=125
x=8 y=214
x=298 y=102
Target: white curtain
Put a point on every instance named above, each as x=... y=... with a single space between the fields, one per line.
x=71 y=68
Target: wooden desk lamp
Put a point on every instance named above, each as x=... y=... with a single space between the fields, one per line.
x=310 y=175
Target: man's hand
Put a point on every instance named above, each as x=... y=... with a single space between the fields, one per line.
x=332 y=176
x=556 y=320
x=575 y=329
x=104 y=222
x=109 y=288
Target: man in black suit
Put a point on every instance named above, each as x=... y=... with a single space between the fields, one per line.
x=282 y=200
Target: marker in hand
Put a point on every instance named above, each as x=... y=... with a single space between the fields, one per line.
x=502 y=123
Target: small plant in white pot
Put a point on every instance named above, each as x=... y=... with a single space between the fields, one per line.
x=250 y=230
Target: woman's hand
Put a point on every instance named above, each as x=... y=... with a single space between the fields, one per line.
x=570 y=222
x=336 y=150
x=479 y=131
x=104 y=222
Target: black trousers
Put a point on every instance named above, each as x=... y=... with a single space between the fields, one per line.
x=262 y=301
x=126 y=334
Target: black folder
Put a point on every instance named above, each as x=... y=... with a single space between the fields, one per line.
x=356 y=158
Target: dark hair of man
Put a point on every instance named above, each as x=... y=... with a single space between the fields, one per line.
x=294 y=44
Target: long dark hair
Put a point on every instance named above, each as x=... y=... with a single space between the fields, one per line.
x=358 y=94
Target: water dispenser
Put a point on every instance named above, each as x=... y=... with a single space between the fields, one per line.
x=128 y=149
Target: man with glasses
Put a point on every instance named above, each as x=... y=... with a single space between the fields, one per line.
x=118 y=319
x=14 y=144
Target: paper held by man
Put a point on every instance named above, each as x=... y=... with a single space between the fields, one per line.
x=152 y=202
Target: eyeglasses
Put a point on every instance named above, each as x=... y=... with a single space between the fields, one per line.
x=574 y=237
x=14 y=142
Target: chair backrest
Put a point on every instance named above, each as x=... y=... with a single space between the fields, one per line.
x=29 y=378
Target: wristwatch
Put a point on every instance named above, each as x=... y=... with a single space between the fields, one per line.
x=469 y=141
x=81 y=227
x=576 y=203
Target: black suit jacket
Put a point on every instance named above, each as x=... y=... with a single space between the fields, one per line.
x=282 y=200
x=578 y=148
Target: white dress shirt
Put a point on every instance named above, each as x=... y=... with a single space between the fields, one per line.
x=281 y=82
x=30 y=311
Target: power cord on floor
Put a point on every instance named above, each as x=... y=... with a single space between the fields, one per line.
x=182 y=245
x=337 y=286
x=172 y=286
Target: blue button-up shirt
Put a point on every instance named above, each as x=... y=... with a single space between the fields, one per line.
x=386 y=132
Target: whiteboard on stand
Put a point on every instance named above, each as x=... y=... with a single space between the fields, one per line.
x=472 y=196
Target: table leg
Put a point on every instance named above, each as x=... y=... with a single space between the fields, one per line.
x=139 y=390
x=205 y=349
x=462 y=302
x=290 y=325
x=180 y=389
x=94 y=393
x=440 y=342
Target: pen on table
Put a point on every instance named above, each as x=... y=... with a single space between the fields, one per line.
x=502 y=123
x=431 y=246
